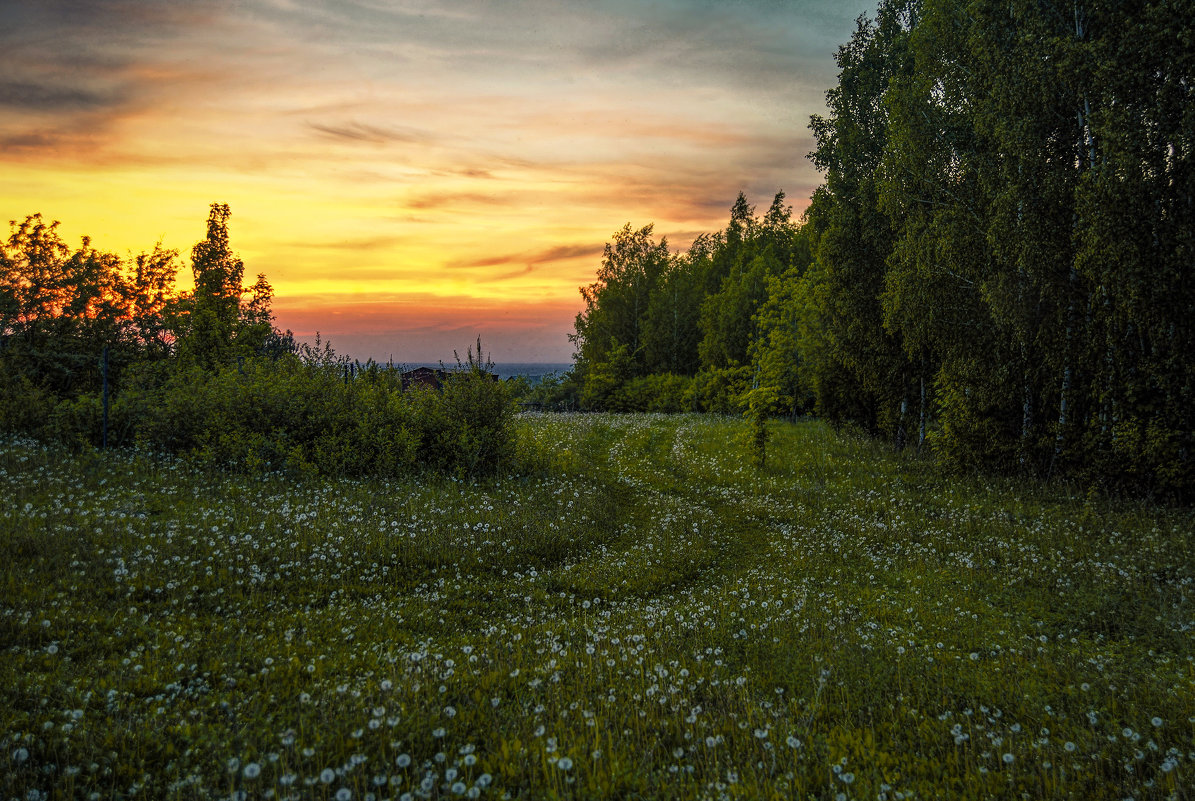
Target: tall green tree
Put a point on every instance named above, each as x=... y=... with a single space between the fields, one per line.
x=671 y=331
x=222 y=319
x=753 y=251
x=867 y=367
x=617 y=304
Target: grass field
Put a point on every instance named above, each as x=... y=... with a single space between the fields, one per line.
x=648 y=616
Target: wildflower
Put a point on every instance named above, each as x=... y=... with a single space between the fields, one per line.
x=1008 y=759
x=1069 y=746
x=252 y=770
x=793 y=742
x=327 y=775
x=458 y=788
x=402 y=760
x=344 y=794
x=20 y=755
x=564 y=763
x=1156 y=721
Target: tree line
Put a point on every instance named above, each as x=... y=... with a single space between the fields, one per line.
x=997 y=266
x=206 y=373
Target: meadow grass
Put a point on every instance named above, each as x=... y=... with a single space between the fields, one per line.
x=645 y=615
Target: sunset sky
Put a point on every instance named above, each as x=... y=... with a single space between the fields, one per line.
x=410 y=175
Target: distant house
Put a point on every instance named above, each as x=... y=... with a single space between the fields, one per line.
x=424 y=377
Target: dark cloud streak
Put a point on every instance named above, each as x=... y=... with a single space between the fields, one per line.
x=31 y=96
x=371 y=134
x=533 y=259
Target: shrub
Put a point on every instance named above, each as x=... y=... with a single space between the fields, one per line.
x=659 y=392
x=718 y=389
x=24 y=406
x=287 y=414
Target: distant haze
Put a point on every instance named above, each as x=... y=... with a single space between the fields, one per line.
x=409 y=175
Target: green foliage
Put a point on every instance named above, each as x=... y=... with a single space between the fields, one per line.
x=718 y=390
x=759 y=405
x=553 y=392
x=974 y=429
x=603 y=379
x=24 y=406
x=658 y=392
x=787 y=349
x=670 y=330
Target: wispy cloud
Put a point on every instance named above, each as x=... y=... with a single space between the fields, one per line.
x=532 y=259
x=372 y=134
x=440 y=200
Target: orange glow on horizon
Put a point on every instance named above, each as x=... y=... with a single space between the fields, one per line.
x=411 y=174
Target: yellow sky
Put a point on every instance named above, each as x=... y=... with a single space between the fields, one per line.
x=410 y=175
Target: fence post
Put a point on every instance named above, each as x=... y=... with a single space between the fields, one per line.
x=104 y=371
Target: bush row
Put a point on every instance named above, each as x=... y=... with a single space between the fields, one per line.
x=286 y=414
